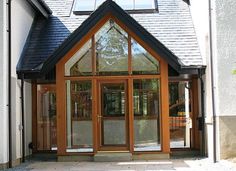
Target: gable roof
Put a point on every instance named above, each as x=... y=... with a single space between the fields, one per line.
x=45 y=47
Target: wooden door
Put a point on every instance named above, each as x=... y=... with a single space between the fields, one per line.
x=112 y=117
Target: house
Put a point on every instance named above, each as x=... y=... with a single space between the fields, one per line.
x=105 y=79
x=100 y=79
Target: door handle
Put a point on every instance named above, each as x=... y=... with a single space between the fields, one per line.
x=99 y=117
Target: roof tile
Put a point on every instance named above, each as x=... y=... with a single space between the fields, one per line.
x=172 y=26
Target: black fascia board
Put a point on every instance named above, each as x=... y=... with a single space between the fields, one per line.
x=111 y=7
x=46 y=7
x=41 y=7
x=194 y=70
x=29 y=74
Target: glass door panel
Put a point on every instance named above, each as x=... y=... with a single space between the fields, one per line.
x=46 y=118
x=112 y=119
x=180 y=114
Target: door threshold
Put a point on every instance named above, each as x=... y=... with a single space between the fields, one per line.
x=102 y=151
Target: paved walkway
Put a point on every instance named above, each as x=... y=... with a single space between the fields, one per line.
x=173 y=164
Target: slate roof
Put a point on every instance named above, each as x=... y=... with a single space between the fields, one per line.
x=172 y=26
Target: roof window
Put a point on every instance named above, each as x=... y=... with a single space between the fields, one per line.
x=131 y=6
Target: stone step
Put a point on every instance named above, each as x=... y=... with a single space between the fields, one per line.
x=185 y=153
x=112 y=156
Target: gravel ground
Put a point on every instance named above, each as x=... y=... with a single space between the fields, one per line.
x=194 y=164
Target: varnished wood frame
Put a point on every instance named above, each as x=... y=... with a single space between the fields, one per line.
x=195 y=137
x=195 y=104
x=34 y=116
x=61 y=91
x=34 y=92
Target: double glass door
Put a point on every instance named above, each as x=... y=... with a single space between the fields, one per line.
x=113 y=115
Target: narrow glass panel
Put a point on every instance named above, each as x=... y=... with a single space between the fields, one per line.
x=144 y=4
x=142 y=61
x=46 y=118
x=180 y=114
x=146 y=102
x=84 y=5
x=79 y=116
x=113 y=114
x=111 y=50
x=81 y=62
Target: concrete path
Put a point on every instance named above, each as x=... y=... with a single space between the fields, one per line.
x=165 y=165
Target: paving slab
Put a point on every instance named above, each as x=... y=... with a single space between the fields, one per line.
x=191 y=164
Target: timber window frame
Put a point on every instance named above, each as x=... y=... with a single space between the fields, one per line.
x=95 y=79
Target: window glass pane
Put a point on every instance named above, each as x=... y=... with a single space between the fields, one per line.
x=142 y=61
x=180 y=114
x=144 y=4
x=88 y=6
x=126 y=4
x=79 y=116
x=113 y=100
x=113 y=114
x=84 y=5
x=81 y=62
x=111 y=50
x=146 y=106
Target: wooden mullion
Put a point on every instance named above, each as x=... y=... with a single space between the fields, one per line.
x=34 y=117
x=131 y=115
x=93 y=56
x=129 y=56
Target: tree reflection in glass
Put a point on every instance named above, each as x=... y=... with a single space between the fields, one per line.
x=111 y=50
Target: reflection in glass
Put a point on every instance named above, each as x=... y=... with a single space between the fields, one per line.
x=113 y=114
x=79 y=116
x=46 y=117
x=84 y=5
x=113 y=100
x=90 y=5
x=146 y=115
x=142 y=61
x=147 y=4
x=180 y=114
x=81 y=62
x=111 y=50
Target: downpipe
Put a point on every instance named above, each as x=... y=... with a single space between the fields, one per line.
x=202 y=121
x=212 y=82
x=9 y=86
x=23 y=117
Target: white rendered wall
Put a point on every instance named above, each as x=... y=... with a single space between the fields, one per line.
x=200 y=16
x=3 y=84
x=226 y=56
x=224 y=70
x=22 y=18
x=225 y=67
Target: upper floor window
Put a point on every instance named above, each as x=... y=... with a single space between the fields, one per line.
x=131 y=6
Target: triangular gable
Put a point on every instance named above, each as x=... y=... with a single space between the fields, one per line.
x=110 y=7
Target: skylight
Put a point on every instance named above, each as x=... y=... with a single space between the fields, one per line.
x=131 y=6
